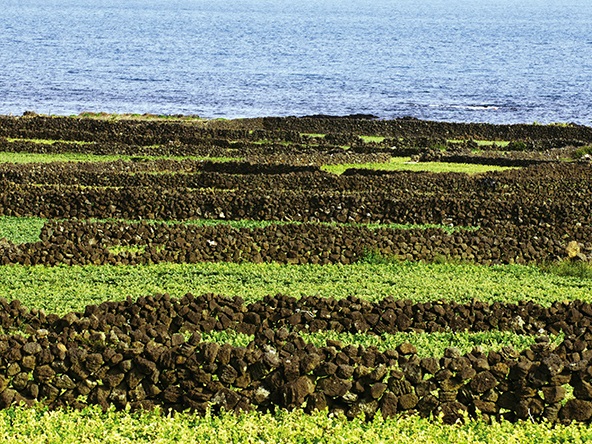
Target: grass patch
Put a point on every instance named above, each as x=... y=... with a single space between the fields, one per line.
x=405 y=164
x=246 y=223
x=20 y=230
x=567 y=268
x=500 y=143
x=146 y=116
x=231 y=337
x=431 y=344
x=313 y=135
x=91 y=425
x=376 y=139
x=62 y=289
x=582 y=151
x=127 y=249
x=21 y=157
x=427 y=344
x=49 y=141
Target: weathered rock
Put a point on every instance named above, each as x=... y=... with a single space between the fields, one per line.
x=333 y=386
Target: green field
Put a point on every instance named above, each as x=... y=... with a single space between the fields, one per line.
x=18 y=425
x=405 y=164
x=8 y=157
x=65 y=288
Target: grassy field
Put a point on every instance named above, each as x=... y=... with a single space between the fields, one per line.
x=90 y=425
x=427 y=344
x=405 y=164
x=20 y=230
x=61 y=289
x=6 y=157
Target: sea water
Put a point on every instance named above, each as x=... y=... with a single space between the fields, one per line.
x=499 y=61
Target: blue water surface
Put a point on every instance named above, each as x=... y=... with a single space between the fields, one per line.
x=499 y=61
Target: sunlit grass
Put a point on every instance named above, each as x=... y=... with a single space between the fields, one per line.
x=92 y=425
x=20 y=230
x=368 y=139
x=405 y=164
x=65 y=288
x=427 y=344
x=48 y=141
x=22 y=157
x=500 y=143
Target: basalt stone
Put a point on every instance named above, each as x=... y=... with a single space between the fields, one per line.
x=553 y=365
x=553 y=395
x=485 y=406
x=389 y=405
x=427 y=405
x=94 y=361
x=133 y=378
x=551 y=412
x=7 y=398
x=406 y=349
x=315 y=402
x=226 y=399
x=171 y=395
x=28 y=362
x=113 y=378
x=333 y=386
x=400 y=387
x=363 y=407
x=4 y=382
x=64 y=382
x=43 y=374
x=227 y=374
x=377 y=390
x=210 y=350
x=508 y=400
x=483 y=382
x=576 y=410
x=582 y=389
x=294 y=393
x=413 y=372
x=408 y=401
x=453 y=412
x=31 y=348
x=345 y=371
x=430 y=365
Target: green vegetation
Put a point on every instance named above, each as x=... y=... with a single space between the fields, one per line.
x=91 y=425
x=405 y=164
x=21 y=157
x=581 y=270
x=500 y=143
x=247 y=223
x=582 y=151
x=20 y=230
x=49 y=141
x=430 y=344
x=313 y=135
x=146 y=116
x=368 y=139
x=131 y=249
x=427 y=344
x=228 y=337
x=62 y=288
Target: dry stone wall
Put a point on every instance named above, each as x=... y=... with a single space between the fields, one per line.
x=149 y=353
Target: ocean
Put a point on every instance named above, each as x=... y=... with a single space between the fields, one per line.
x=497 y=61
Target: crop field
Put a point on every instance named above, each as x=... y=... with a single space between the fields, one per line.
x=294 y=280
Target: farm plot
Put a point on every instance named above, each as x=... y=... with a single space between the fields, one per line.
x=265 y=200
